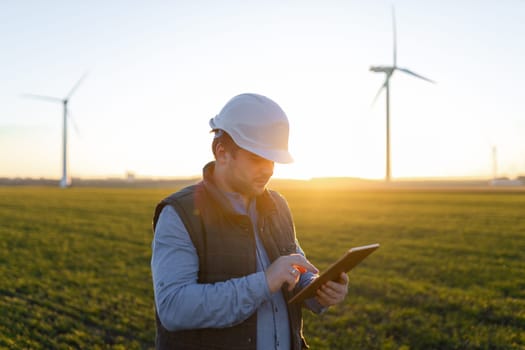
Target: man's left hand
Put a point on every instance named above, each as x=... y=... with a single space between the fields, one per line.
x=333 y=292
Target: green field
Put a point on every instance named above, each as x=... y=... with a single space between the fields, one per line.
x=450 y=273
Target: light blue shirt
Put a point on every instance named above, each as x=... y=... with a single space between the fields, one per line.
x=182 y=303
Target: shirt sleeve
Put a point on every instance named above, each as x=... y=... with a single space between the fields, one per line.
x=306 y=278
x=182 y=302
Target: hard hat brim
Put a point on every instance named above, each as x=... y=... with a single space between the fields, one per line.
x=277 y=156
x=282 y=157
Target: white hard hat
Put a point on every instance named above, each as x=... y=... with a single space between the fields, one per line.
x=256 y=124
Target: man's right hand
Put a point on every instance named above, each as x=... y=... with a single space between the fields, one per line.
x=286 y=270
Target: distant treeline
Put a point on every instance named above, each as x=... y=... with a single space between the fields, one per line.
x=319 y=183
x=109 y=182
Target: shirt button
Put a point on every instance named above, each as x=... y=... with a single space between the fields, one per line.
x=249 y=340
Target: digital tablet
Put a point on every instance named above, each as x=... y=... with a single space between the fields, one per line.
x=347 y=262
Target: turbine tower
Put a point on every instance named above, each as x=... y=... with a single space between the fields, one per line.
x=494 y=163
x=65 y=181
x=389 y=71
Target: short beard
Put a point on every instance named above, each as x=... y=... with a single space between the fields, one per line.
x=248 y=190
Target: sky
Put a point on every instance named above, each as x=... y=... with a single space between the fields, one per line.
x=157 y=71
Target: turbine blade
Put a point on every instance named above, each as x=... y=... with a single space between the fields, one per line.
x=42 y=97
x=380 y=89
x=395 y=35
x=76 y=86
x=415 y=75
x=74 y=122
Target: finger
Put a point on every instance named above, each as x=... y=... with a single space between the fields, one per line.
x=300 y=268
x=292 y=281
x=343 y=278
x=295 y=271
x=325 y=299
x=331 y=297
x=341 y=283
x=299 y=260
x=334 y=288
x=330 y=292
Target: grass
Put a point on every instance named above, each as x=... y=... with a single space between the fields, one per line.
x=74 y=267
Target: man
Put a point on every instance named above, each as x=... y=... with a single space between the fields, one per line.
x=225 y=257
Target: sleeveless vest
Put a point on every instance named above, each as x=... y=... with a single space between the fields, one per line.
x=225 y=245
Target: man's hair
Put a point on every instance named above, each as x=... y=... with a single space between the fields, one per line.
x=225 y=140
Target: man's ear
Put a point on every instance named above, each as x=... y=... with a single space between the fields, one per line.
x=220 y=152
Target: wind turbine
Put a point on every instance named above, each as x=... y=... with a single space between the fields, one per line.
x=389 y=71
x=65 y=181
x=494 y=163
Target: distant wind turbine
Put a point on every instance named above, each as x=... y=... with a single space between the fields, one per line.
x=494 y=162
x=389 y=71
x=65 y=181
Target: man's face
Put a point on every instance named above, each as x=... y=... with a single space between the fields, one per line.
x=248 y=174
